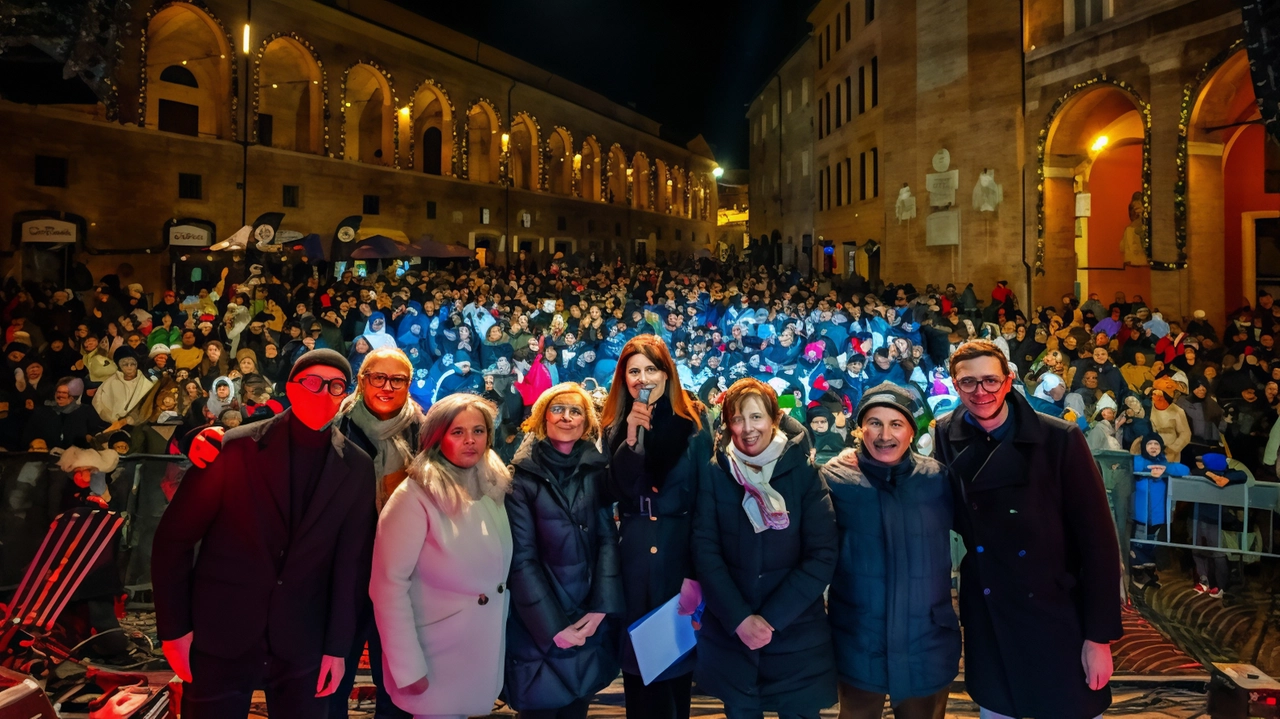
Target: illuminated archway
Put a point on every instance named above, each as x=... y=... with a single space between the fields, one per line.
x=679 y=203
x=590 y=170
x=640 y=195
x=617 y=176
x=1096 y=141
x=431 y=133
x=484 y=146
x=290 y=96
x=196 y=97
x=1222 y=150
x=523 y=158
x=368 y=109
x=560 y=162
x=663 y=183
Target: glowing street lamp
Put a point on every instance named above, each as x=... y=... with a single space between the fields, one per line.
x=718 y=172
x=1099 y=143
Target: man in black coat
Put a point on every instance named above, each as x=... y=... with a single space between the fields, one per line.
x=1040 y=585
x=284 y=518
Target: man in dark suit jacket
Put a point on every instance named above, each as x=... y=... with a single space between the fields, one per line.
x=1040 y=585
x=284 y=518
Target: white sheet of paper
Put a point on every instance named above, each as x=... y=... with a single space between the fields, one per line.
x=661 y=639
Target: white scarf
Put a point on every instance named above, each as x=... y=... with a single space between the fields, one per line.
x=758 y=471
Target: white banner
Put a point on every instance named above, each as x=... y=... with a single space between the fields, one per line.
x=48 y=230
x=190 y=236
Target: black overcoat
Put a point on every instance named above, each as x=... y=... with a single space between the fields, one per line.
x=1042 y=572
x=255 y=577
x=777 y=574
x=564 y=565
x=656 y=530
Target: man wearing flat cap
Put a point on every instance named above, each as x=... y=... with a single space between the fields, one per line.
x=284 y=517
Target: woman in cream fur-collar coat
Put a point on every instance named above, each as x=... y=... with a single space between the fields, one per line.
x=440 y=565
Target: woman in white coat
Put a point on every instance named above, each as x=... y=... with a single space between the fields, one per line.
x=440 y=565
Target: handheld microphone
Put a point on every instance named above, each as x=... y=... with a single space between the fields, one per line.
x=643 y=398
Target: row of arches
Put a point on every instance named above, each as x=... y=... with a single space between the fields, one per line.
x=1097 y=142
x=188 y=87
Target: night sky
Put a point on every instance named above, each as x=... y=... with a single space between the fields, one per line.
x=693 y=66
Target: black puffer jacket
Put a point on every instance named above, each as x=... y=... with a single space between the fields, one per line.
x=564 y=566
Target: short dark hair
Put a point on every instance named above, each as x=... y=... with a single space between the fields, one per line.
x=974 y=349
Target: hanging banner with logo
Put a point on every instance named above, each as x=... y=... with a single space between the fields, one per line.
x=187 y=235
x=48 y=230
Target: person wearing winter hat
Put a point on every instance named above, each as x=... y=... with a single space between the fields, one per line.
x=292 y=608
x=1105 y=433
x=1150 y=468
x=122 y=391
x=895 y=507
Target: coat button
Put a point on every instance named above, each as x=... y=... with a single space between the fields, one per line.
x=980 y=549
x=985 y=591
x=500 y=589
x=975 y=506
x=1022 y=553
x=653 y=550
x=652 y=518
x=1031 y=595
x=654 y=489
x=279 y=582
x=483 y=600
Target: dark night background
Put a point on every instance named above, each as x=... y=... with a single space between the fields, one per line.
x=693 y=66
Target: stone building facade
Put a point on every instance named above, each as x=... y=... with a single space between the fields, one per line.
x=328 y=110
x=1071 y=128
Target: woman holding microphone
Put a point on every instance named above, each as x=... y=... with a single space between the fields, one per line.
x=659 y=441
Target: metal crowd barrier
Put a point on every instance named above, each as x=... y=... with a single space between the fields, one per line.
x=35 y=491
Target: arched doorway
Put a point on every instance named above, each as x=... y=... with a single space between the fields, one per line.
x=560 y=162
x=640 y=198
x=432 y=133
x=188 y=73
x=523 y=156
x=678 y=204
x=617 y=174
x=291 y=97
x=483 y=145
x=1225 y=152
x=368 y=126
x=1096 y=144
x=590 y=170
x=664 y=184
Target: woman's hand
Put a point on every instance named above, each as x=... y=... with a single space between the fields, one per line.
x=641 y=416
x=755 y=632
x=589 y=623
x=690 y=597
x=1096 y=659
x=570 y=637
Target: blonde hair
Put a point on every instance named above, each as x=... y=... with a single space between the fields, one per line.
x=537 y=421
x=449 y=486
x=391 y=353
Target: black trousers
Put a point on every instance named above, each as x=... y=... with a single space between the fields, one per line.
x=856 y=703
x=222 y=688
x=668 y=699
x=576 y=710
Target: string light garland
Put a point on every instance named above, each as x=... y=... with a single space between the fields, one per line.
x=464 y=158
x=548 y=156
x=597 y=161
x=442 y=96
x=257 y=85
x=638 y=161
x=615 y=152
x=1042 y=141
x=395 y=103
x=232 y=62
x=1190 y=94
x=539 y=182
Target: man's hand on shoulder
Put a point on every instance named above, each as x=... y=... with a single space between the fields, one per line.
x=206 y=446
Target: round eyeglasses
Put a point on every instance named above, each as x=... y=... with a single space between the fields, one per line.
x=314 y=384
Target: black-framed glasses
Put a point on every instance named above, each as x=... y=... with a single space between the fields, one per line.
x=969 y=385
x=315 y=384
x=378 y=379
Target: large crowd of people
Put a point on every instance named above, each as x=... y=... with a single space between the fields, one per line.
x=579 y=443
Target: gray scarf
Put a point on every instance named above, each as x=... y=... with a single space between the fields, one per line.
x=389 y=437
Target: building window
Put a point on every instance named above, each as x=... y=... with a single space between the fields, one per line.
x=862 y=90
x=828 y=43
x=804 y=163
x=827 y=114
x=839 y=185
x=788 y=102
x=804 y=91
x=820 y=134
x=828 y=186
x=848 y=97
x=775 y=115
x=848 y=173
x=875 y=172
x=787 y=170
x=190 y=186
x=484 y=215
x=820 y=205
x=838 y=105
x=871 y=10
x=1084 y=13
x=819 y=51
x=875 y=81
x=290 y=198
x=51 y=171
x=862 y=176
x=431 y=209
x=848 y=21
x=371 y=205
x=266 y=129
x=562 y=223
x=838 y=38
